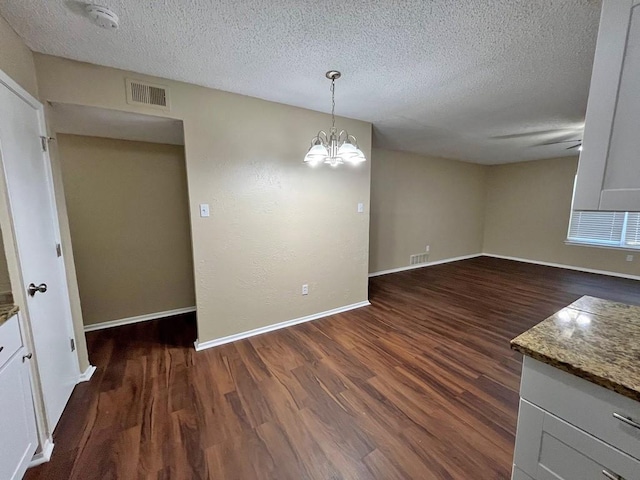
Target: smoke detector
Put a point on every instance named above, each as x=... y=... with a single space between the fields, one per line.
x=103 y=17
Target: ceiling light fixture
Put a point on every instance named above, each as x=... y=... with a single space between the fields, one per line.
x=335 y=148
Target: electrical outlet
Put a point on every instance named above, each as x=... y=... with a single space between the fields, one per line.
x=305 y=289
x=629 y=258
x=427 y=249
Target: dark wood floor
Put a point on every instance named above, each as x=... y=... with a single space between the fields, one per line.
x=420 y=385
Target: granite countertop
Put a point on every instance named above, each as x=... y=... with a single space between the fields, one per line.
x=7 y=311
x=592 y=338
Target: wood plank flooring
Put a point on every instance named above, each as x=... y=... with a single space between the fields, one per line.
x=420 y=385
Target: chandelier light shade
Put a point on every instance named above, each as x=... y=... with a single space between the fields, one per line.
x=334 y=148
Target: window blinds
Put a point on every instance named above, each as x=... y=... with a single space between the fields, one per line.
x=601 y=228
x=632 y=233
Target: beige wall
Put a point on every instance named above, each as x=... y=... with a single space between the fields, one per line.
x=275 y=223
x=418 y=201
x=129 y=216
x=16 y=60
x=527 y=216
x=5 y=280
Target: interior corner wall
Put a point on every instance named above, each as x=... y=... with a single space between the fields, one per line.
x=128 y=211
x=527 y=216
x=418 y=201
x=16 y=60
x=275 y=222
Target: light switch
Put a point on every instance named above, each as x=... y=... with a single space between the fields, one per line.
x=204 y=209
x=361 y=208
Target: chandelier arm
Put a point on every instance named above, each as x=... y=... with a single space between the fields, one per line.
x=323 y=137
x=319 y=139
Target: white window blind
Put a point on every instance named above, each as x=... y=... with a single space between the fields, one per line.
x=632 y=234
x=613 y=229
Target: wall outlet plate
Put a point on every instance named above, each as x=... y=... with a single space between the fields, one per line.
x=629 y=258
x=305 y=289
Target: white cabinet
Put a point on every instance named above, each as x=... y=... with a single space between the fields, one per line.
x=609 y=167
x=567 y=431
x=18 y=438
x=552 y=449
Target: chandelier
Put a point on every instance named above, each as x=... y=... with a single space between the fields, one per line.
x=335 y=148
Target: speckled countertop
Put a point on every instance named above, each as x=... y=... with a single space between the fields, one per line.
x=7 y=311
x=592 y=338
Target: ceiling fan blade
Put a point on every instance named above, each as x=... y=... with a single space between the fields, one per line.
x=561 y=141
x=575 y=146
x=562 y=132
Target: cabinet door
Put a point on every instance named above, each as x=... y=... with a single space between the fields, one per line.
x=18 y=439
x=608 y=171
x=548 y=448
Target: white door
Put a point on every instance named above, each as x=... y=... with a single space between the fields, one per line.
x=28 y=178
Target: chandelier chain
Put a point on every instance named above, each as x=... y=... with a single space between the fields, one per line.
x=333 y=103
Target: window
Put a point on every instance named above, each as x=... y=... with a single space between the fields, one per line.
x=607 y=229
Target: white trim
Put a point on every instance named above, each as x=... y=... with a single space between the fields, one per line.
x=138 y=319
x=429 y=264
x=16 y=88
x=575 y=243
x=44 y=455
x=276 y=326
x=87 y=374
x=562 y=265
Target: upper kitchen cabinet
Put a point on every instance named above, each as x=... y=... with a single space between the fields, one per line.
x=609 y=167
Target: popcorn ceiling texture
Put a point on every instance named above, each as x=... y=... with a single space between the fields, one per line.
x=439 y=77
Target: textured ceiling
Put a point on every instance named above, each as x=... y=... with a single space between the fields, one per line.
x=102 y=122
x=483 y=81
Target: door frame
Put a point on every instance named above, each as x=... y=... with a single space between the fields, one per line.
x=17 y=280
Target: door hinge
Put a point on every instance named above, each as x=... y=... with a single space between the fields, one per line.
x=44 y=142
x=58 y=250
x=73 y=345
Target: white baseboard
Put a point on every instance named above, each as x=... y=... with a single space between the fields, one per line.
x=87 y=374
x=562 y=265
x=276 y=326
x=139 y=318
x=422 y=265
x=505 y=257
x=44 y=455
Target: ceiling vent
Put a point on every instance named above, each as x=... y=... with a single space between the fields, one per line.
x=141 y=93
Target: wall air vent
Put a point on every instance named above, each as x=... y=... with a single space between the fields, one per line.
x=141 y=93
x=418 y=259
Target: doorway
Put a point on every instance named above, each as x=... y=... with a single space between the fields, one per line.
x=125 y=187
